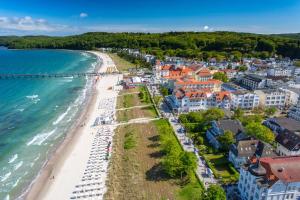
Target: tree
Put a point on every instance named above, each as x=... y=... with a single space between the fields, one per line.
x=238 y=113
x=215 y=192
x=260 y=132
x=213 y=114
x=265 y=45
x=226 y=140
x=189 y=162
x=251 y=118
x=164 y=91
x=270 y=111
x=220 y=76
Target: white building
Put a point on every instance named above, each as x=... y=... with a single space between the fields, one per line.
x=244 y=100
x=269 y=98
x=253 y=81
x=279 y=72
x=270 y=178
x=294 y=112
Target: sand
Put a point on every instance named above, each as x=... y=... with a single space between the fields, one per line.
x=66 y=166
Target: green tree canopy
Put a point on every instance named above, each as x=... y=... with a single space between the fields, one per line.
x=270 y=111
x=260 y=132
x=213 y=114
x=220 y=76
x=238 y=113
x=226 y=140
x=215 y=192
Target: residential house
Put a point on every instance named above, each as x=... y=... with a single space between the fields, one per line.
x=279 y=124
x=270 y=178
x=279 y=72
x=288 y=143
x=242 y=151
x=219 y=127
x=191 y=84
x=230 y=73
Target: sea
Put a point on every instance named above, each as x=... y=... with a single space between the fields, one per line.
x=36 y=114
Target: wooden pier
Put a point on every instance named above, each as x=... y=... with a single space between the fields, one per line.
x=58 y=75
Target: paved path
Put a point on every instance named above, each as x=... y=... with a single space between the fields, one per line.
x=187 y=144
x=142 y=106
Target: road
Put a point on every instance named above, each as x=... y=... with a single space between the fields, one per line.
x=186 y=142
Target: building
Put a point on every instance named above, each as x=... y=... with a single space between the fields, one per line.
x=242 y=151
x=203 y=74
x=219 y=127
x=280 y=124
x=253 y=81
x=196 y=100
x=288 y=143
x=244 y=100
x=272 y=98
x=230 y=73
x=294 y=112
x=191 y=84
x=270 y=178
x=279 y=72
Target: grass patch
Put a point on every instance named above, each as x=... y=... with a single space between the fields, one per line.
x=130 y=140
x=122 y=64
x=191 y=191
x=128 y=100
x=126 y=115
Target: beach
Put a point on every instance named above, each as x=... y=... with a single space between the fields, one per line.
x=68 y=165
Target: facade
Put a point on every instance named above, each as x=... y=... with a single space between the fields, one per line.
x=219 y=127
x=253 y=81
x=189 y=101
x=279 y=72
x=294 y=112
x=270 y=178
x=244 y=100
x=203 y=74
x=272 y=98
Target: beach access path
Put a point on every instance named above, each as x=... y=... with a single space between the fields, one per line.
x=66 y=167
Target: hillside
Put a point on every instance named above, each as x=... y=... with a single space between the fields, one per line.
x=201 y=45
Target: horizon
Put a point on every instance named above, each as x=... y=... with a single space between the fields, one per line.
x=62 y=18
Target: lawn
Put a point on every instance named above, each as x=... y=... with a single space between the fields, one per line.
x=122 y=65
x=126 y=115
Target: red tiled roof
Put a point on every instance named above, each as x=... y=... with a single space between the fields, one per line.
x=221 y=95
x=166 y=67
x=286 y=169
x=204 y=72
x=194 y=82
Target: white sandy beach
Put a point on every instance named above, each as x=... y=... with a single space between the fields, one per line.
x=69 y=165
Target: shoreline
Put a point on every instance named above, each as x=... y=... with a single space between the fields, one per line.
x=53 y=166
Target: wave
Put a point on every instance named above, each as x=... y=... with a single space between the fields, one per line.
x=21 y=109
x=16 y=183
x=62 y=116
x=13 y=158
x=5 y=177
x=34 y=96
x=18 y=165
x=7 y=197
x=40 y=138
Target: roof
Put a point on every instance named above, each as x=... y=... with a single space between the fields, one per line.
x=204 y=72
x=264 y=150
x=222 y=95
x=254 y=77
x=166 y=67
x=199 y=94
x=286 y=123
x=234 y=126
x=194 y=82
x=244 y=148
x=289 y=139
x=286 y=169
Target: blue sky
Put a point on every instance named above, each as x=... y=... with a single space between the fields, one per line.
x=64 y=17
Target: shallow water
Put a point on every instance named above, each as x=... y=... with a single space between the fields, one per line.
x=35 y=114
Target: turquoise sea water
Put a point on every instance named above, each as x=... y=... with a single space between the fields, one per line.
x=36 y=114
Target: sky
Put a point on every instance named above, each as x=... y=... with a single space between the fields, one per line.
x=69 y=17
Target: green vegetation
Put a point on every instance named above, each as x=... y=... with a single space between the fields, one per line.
x=270 y=111
x=164 y=91
x=297 y=63
x=137 y=61
x=128 y=99
x=215 y=192
x=220 y=76
x=260 y=132
x=157 y=100
x=199 y=45
x=144 y=95
x=130 y=140
x=122 y=64
x=226 y=140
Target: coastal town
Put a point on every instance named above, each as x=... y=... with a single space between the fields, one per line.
x=250 y=146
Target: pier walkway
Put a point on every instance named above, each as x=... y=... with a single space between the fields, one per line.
x=56 y=75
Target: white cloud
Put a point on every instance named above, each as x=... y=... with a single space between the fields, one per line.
x=205 y=28
x=83 y=15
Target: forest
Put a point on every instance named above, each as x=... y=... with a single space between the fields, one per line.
x=194 y=45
